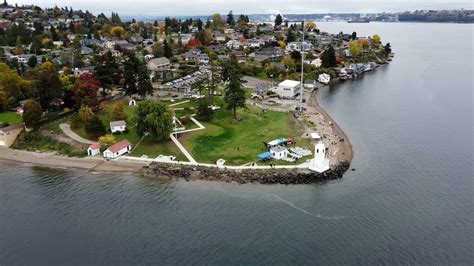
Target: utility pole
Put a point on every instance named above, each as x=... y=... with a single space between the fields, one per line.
x=302 y=68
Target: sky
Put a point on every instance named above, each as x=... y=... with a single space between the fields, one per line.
x=205 y=7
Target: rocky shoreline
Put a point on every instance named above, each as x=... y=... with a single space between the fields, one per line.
x=267 y=176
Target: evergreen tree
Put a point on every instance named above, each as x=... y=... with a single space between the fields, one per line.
x=329 y=58
x=354 y=35
x=168 y=51
x=278 y=20
x=130 y=73
x=95 y=127
x=234 y=93
x=106 y=71
x=48 y=84
x=230 y=19
x=144 y=86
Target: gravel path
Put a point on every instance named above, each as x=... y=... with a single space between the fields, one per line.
x=66 y=128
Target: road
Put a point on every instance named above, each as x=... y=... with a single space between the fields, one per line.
x=66 y=128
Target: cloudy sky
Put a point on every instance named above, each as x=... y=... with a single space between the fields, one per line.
x=204 y=7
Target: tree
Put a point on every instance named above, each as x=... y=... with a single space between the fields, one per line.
x=32 y=113
x=355 y=48
x=216 y=21
x=204 y=113
x=376 y=38
x=32 y=62
x=94 y=126
x=387 y=48
x=144 y=86
x=328 y=58
x=48 y=84
x=85 y=90
x=85 y=114
x=107 y=140
x=117 y=31
x=155 y=119
x=106 y=71
x=12 y=86
x=310 y=26
x=130 y=74
x=115 y=19
x=118 y=112
x=354 y=36
x=278 y=20
x=157 y=50
x=230 y=19
x=167 y=49
x=290 y=36
x=234 y=93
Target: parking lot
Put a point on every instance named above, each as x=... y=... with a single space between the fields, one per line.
x=184 y=84
x=258 y=85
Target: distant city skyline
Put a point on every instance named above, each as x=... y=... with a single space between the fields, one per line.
x=207 y=7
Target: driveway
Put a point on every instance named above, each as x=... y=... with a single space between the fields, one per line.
x=66 y=128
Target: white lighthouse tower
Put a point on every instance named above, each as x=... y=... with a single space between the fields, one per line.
x=319 y=163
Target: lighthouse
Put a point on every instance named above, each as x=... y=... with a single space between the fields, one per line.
x=319 y=163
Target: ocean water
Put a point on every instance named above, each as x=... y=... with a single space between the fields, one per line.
x=409 y=201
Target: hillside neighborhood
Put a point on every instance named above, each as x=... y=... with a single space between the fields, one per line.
x=224 y=91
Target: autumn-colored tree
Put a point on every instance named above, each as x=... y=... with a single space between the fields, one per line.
x=48 y=84
x=340 y=59
x=12 y=87
x=47 y=43
x=364 y=42
x=118 y=112
x=103 y=105
x=107 y=140
x=32 y=113
x=193 y=43
x=117 y=31
x=355 y=48
x=85 y=113
x=376 y=38
x=85 y=90
x=310 y=25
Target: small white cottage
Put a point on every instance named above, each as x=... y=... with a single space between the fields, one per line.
x=132 y=102
x=324 y=78
x=118 y=126
x=279 y=152
x=93 y=149
x=118 y=149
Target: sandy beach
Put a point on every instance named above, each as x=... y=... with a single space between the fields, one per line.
x=340 y=148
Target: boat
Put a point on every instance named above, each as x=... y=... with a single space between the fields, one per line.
x=359 y=20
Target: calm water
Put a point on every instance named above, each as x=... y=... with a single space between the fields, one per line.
x=410 y=201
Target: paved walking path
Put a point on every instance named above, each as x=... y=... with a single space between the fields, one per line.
x=66 y=128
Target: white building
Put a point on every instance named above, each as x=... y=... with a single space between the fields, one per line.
x=233 y=44
x=324 y=78
x=288 y=89
x=316 y=62
x=93 y=149
x=279 y=152
x=118 y=126
x=319 y=163
x=132 y=102
x=118 y=149
x=296 y=46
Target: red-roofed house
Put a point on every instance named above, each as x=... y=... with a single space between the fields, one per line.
x=93 y=149
x=118 y=149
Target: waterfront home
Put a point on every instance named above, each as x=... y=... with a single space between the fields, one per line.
x=93 y=149
x=288 y=89
x=159 y=68
x=310 y=84
x=324 y=78
x=118 y=149
x=279 y=152
x=118 y=126
x=9 y=134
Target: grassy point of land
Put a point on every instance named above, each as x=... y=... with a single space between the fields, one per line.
x=240 y=141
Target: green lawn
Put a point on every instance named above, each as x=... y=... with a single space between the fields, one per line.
x=10 y=118
x=240 y=141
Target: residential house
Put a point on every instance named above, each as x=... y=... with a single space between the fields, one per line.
x=241 y=56
x=216 y=47
x=297 y=46
x=117 y=149
x=310 y=84
x=223 y=57
x=288 y=89
x=118 y=126
x=233 y=44
x=160 y=68
x=316 y=62
x=9 y=134
x=203 y=59
x=323 y=40
x=190 y=57
x=93 y=149
x=268 y=54
x=219 y=37
x=86 y=50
